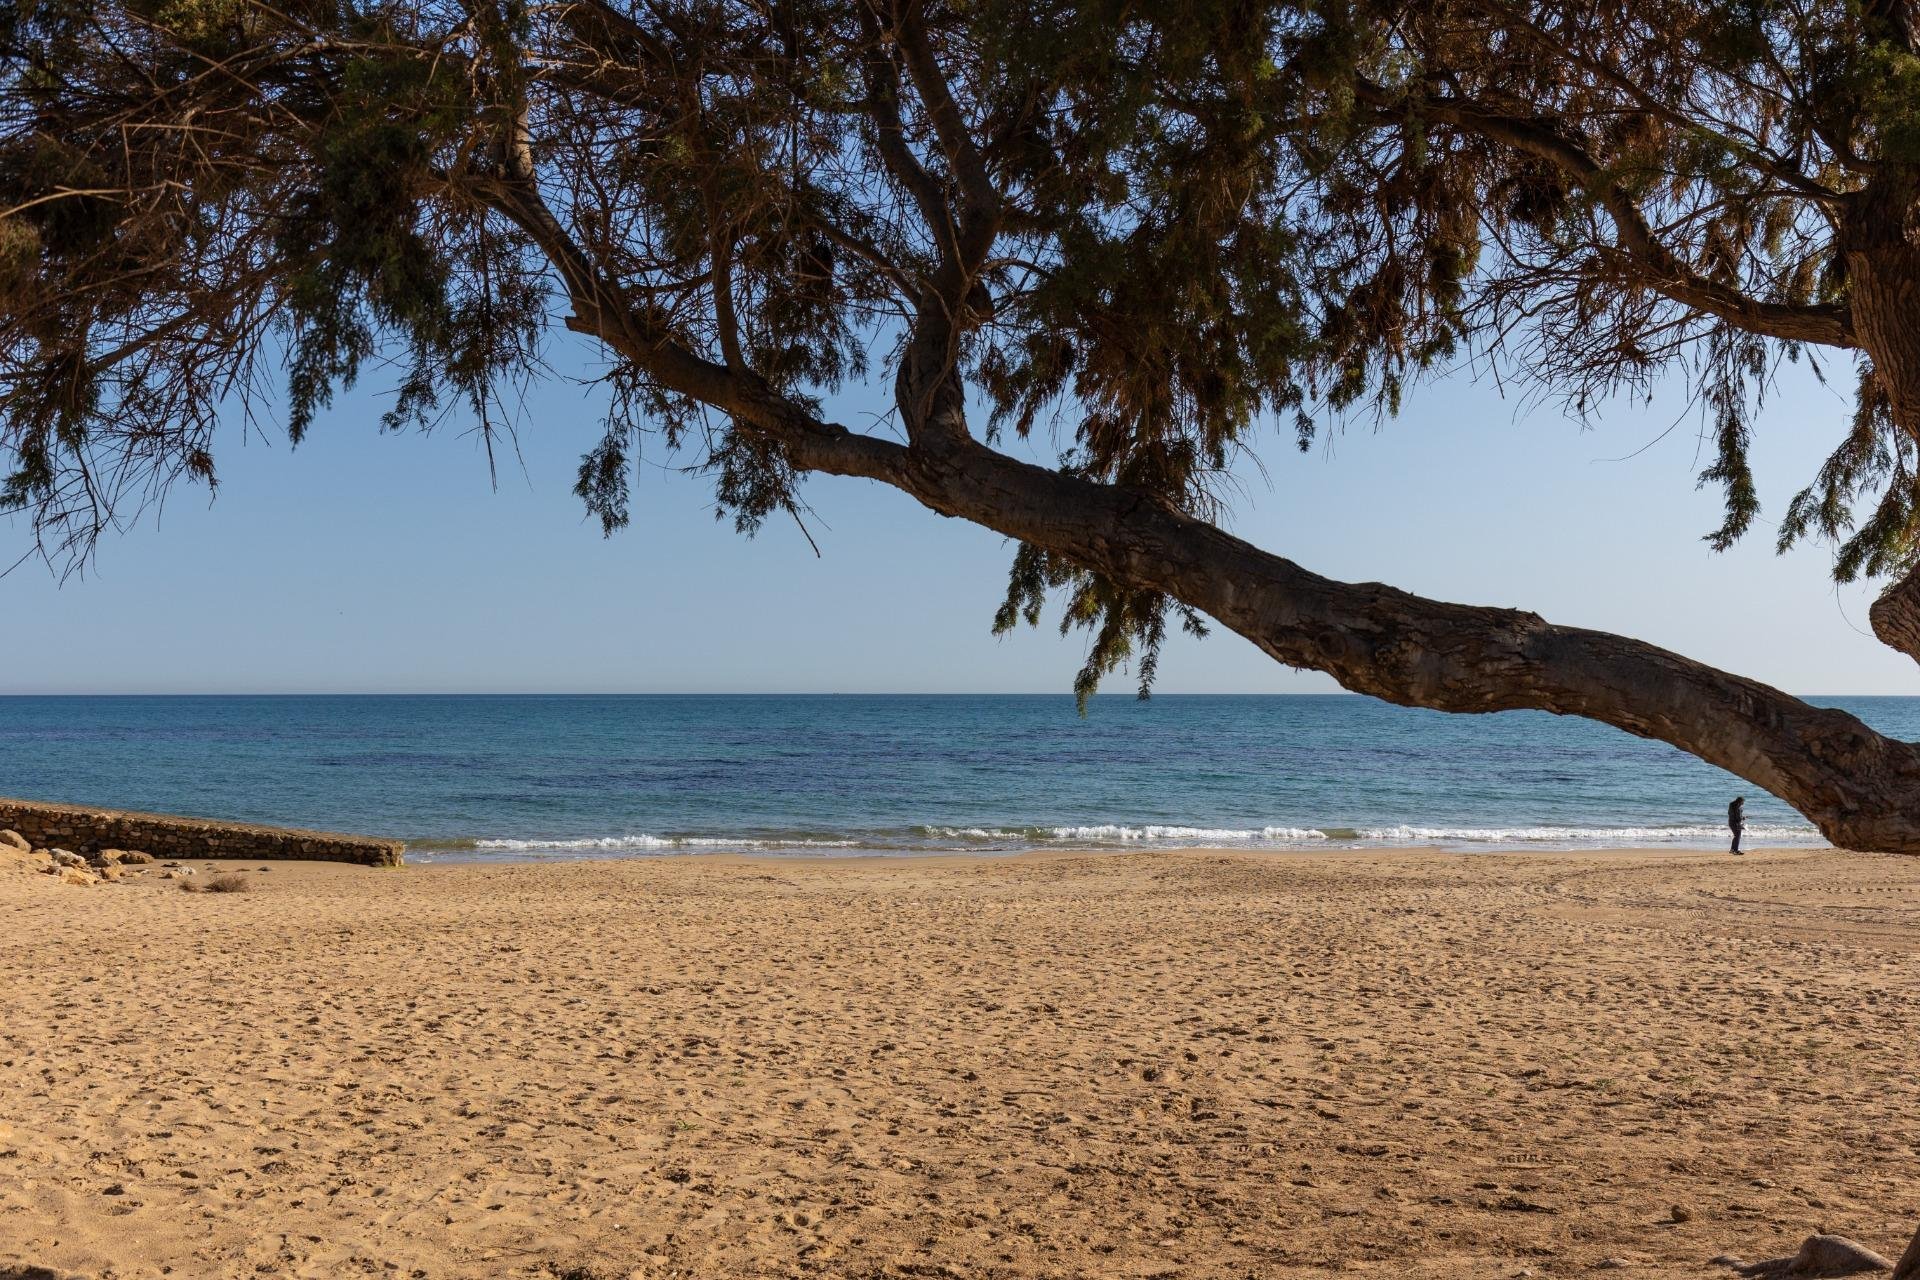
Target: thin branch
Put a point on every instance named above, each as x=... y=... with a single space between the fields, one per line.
x=1654 y=264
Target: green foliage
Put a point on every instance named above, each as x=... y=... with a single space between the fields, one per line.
x=1876 y=455
x=1736 y=360
x=1169 y=314
x=755 y=479
x=1887 y=83
x=1205 y=221
x=354 y=255
x=1123 y=622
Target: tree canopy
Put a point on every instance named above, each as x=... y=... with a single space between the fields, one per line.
x=1142 y=234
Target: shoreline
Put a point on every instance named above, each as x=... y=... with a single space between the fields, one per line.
x=981 y=860
x=840 y=857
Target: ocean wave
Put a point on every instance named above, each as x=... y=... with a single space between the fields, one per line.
x=1235 y=835
x=642 y=843
x=1573 y=835
x=1158 y=833
x=927 y=838
x=1107 y=832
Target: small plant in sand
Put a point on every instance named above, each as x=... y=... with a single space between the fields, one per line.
x=228 y=883
x=580 y=1273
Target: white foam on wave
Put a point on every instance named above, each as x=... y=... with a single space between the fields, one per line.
x=1412 y=834
x=1575 y=835
x=645 y=842
x=1166 y=834
x=1116 y=831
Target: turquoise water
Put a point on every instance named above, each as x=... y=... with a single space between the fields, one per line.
x=589 y=776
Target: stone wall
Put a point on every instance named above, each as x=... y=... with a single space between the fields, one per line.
x=83 y=830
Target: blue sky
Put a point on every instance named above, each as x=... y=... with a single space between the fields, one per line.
x=362 y=562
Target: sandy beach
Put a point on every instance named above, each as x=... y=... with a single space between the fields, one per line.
x=1197 y=1064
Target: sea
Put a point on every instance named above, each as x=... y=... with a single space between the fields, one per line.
x=531 y=777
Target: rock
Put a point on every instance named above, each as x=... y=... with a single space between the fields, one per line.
x=1828 y=1255
x=76 y=875
x=111 y=873
x=1623 y=1260
x=14 y=840
x=23 y=1272
x=131 y=856
x=67 y=858
x=169 y=864
x=1680 y=1213
x=104 y=857
x=1821 y=1255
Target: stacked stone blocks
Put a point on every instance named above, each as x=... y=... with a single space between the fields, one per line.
x=86 y=830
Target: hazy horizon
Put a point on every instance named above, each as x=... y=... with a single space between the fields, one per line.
x=782 y=693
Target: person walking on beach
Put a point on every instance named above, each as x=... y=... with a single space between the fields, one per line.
x=1736 y=819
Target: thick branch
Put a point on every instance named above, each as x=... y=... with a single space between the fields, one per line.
x=927 y=387
x=963 y=154
x=600 y=311
x=883 y=106
x=1895 y=615
x=1855 y=784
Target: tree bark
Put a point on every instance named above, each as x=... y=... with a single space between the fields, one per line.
x=1908 y=1268
x=1860 y=788
x=1880 y=244
x=1895 y=614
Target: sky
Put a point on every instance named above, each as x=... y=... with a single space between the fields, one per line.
x=362 y=562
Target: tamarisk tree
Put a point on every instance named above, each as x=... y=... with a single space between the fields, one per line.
x=1142 y=232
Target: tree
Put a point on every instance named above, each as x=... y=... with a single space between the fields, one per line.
x=1148 y=230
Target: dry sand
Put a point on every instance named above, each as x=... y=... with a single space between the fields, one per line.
x=1177 y=1065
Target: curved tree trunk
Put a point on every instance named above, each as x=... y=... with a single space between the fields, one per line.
x=1860 y=788
x=1895 y=614
x=1879 y=243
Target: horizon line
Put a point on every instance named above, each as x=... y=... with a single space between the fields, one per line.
x=756 y=693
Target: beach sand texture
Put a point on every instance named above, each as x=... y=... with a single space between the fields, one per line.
x=1179 y=1065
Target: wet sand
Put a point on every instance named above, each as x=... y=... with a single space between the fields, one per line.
x=1196 y=1064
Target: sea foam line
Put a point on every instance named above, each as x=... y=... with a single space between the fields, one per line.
x=644 y=841
x=1119 y=831
x=1116 y=831
x=1563 y=835
x=1162 y=834
x=1123 y=833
